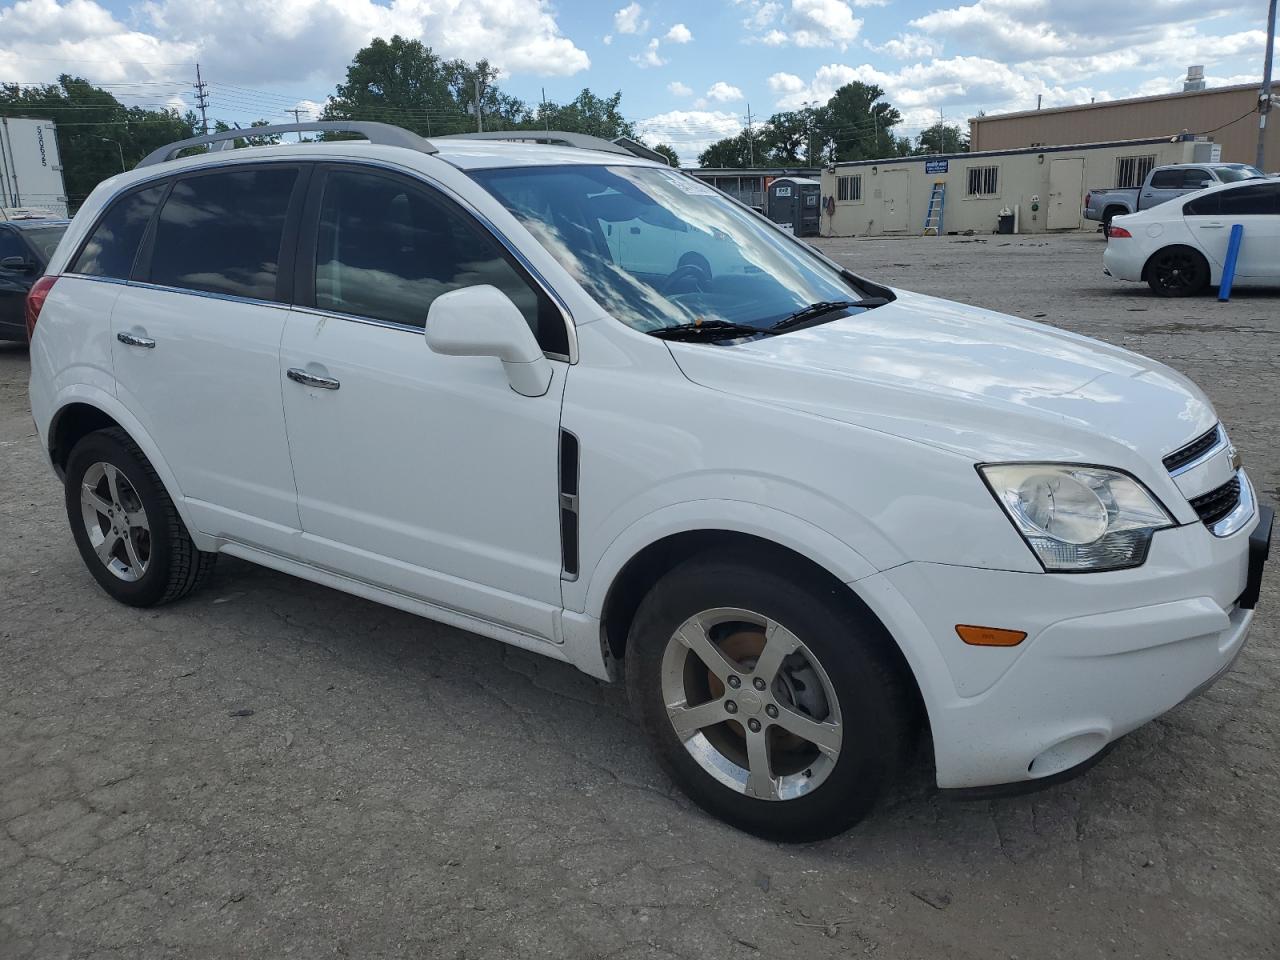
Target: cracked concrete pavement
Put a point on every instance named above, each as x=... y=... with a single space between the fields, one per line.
x=271 y=769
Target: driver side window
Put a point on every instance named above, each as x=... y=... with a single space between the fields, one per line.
x=386 y=248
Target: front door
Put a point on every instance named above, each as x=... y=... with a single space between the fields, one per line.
x=422 y=473
x=196 y=347
x=895 y=185
x=1066 y=193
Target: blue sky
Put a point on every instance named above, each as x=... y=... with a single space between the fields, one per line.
x=688 y=70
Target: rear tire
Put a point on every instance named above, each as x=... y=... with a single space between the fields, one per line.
x=744 y=752
x=125 y=526
x=1177 y=272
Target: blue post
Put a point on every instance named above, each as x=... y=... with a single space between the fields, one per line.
x=1229 y=268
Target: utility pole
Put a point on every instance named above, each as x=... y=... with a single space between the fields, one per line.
x=202 y=101
x=546 y=115
x=479 y=109
x=1264 y=97
x=751 y=140
x=297 y=118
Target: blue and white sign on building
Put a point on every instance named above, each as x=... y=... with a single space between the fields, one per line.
x=935 y=166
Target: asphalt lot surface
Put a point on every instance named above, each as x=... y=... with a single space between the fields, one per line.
x=271 y=769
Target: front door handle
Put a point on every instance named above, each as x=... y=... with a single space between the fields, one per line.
x=298 y=375
x=134 y=340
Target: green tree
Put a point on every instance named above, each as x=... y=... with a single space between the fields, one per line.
x=789 y=138
x=856 y=124
x=402 y=82
x=94 y=129
x=669 y=152
x=729 y=152
x=586 y=113
x=943 y=138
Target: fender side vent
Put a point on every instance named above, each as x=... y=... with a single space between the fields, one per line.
x=569 y=504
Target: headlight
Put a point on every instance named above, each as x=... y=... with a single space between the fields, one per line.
x=1078 y=519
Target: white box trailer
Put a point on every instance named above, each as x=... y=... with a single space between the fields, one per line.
x=30 y=168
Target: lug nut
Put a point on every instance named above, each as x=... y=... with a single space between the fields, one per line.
x=772 y=711
x=730 y=707
x=758 y=683
x=734 y=682
x=754 y=725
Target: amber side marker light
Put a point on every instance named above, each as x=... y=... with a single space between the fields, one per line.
x=990 y=636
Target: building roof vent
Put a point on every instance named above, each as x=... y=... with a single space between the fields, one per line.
x=1195 y=79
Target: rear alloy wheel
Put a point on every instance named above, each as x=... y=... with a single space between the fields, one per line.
x=1178 y=272
x=127 y=529
x=770 y=704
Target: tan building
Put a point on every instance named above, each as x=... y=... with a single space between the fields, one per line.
x=1228 y=115
x=1042 y=188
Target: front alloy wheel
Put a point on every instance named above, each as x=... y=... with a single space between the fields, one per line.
x=771 y=696
x=751 y=704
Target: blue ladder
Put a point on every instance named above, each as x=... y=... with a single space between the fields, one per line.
x=933 y=216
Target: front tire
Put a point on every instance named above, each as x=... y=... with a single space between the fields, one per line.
x=773 y=704
x=1177 y=272
x=125 y=526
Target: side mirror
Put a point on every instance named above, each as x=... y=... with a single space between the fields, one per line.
x=15 y=264
x=482 y=321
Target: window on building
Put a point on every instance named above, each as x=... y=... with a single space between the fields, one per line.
x=983 y=182
x=1132 y=171
x=849 y=189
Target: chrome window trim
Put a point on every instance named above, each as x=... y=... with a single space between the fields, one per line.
x=1204 y=457
x=1244 y=510
x=207 y=294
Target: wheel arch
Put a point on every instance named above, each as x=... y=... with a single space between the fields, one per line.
x=1146 y=267
x=632 y=581
x=1114 y=210
x=87 y=409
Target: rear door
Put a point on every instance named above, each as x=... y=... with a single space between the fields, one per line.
x=197 y=342
x=1255 y=206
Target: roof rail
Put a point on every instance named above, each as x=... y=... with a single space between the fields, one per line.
x=560 y=138
x=383 y=134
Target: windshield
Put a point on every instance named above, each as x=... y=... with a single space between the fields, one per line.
x=659 y=249
x=44 y=239
x=1238 y=172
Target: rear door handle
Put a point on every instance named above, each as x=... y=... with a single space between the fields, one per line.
x=133 y=340
x=298 y=375
x=1212 y=226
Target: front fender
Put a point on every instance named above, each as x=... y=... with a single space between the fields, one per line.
x=735 y=516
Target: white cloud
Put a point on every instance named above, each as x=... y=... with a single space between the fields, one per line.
x=907 y=46
x=630 y=19
x=690 y=131
x=722 y=92
x=649 y=57
x=607 y=39
x=805 y=23
x=246 y=41
x=678 y=89
x=679 y=34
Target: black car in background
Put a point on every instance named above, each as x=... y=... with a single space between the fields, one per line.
x=25 y=249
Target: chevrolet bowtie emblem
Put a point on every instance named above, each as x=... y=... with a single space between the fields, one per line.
x=1235 y=457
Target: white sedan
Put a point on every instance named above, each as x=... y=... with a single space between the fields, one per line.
x=1179 y=248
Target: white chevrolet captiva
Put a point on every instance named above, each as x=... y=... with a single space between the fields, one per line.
x=566 y=397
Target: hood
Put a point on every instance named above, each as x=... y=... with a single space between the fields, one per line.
x=977 y=383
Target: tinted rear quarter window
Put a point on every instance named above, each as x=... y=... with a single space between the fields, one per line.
x=1255 y=199
x=1166 y=179
x=113 y=244
x=221 y=232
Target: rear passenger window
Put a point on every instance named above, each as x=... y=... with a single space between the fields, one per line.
x=113 y=245
x=1166 y=179
x=221 y=232
x=386 y=249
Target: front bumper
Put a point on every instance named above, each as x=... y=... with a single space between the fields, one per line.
x=1104 y=654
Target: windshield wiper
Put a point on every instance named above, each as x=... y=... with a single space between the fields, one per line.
x=707 y=330
x=825 y=306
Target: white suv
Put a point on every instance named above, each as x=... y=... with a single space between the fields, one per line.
x=808 y=514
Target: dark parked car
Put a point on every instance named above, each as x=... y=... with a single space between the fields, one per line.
x=25 y=248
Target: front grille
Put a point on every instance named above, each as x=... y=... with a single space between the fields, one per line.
x=1196 y=448
x=1216 y=504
